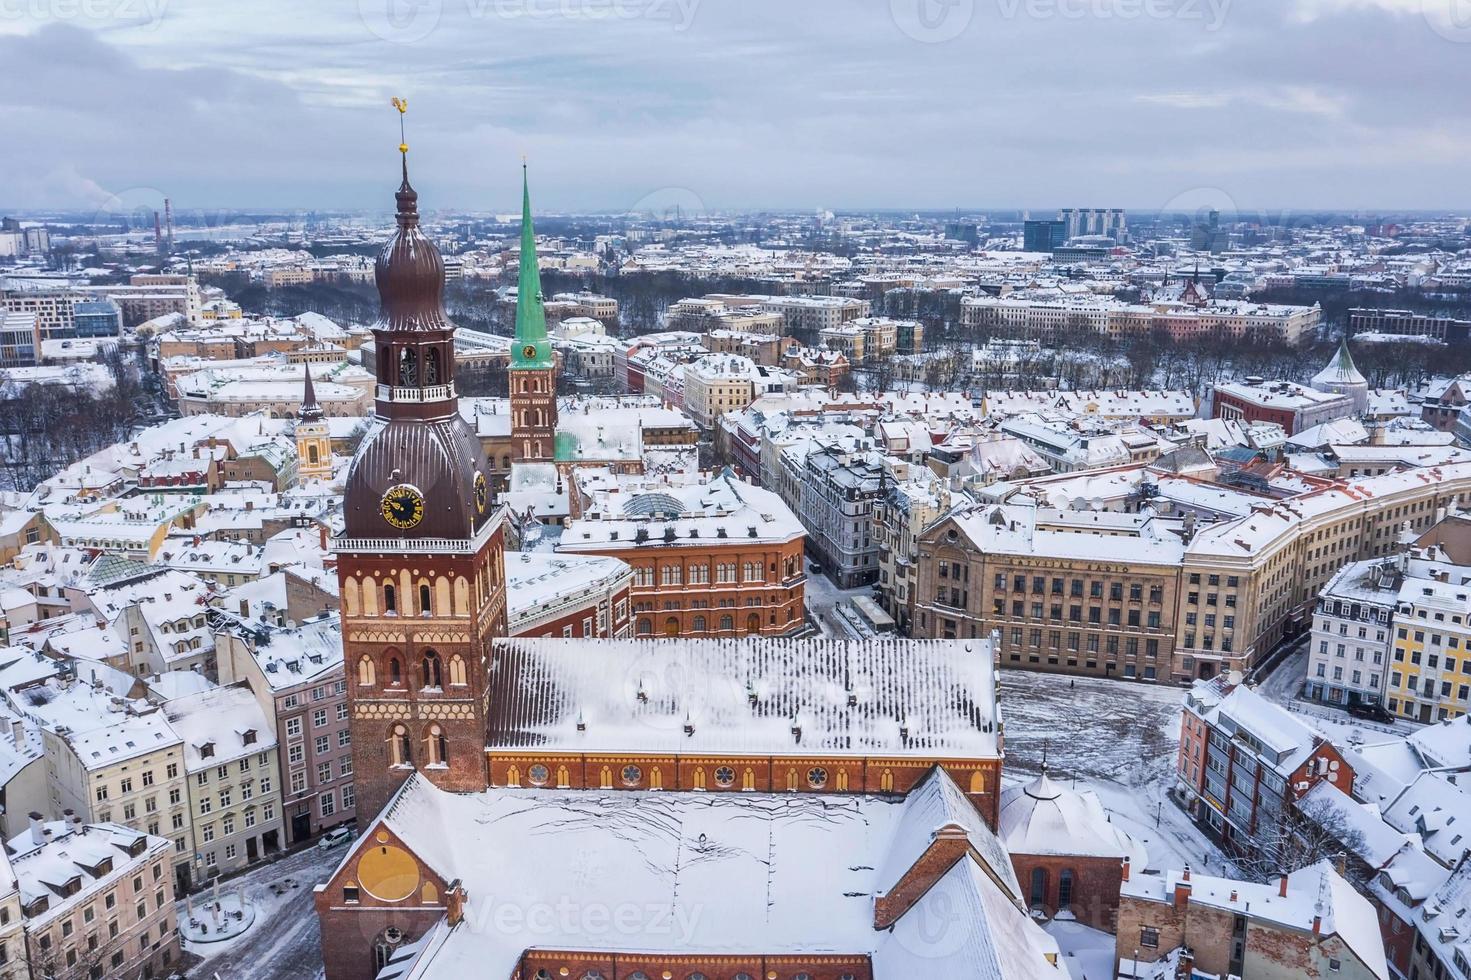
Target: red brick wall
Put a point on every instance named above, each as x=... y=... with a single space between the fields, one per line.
x=1095 y=891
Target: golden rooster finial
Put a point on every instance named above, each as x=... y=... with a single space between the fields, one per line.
x=402 y=105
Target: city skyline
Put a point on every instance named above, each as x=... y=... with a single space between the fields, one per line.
x=1183 y=104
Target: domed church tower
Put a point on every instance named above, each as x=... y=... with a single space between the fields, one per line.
x=421 y=557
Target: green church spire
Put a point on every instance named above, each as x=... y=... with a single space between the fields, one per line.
x=532 y=350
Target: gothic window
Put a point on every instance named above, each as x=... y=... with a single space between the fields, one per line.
x=395 y=672
x=400 y=752
x=429 y=670
x=425 y=608
x=365 y=671
x=438 y=746
x=1039 y=887
x=390 y=599
x=1065 y=889
x=457 y=676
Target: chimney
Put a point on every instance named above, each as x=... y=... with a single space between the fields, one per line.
x=1317 y=925
x=1124 y=874
x=1282 y=886
x=18 y=732
x=454 y=902
x=322 y=535
x=38 y=835
x=1182 y=893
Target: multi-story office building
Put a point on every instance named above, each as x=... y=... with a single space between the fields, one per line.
x=96 y=900
x=231 y=770
x=1077 y=592
x=296 y=675
x=97 y=318
x=1348 y=658
x=1406 y=323
x=712 y=556
x=1106 y=222
x=1042 y=235
x=18 y=339
x=1056 y=317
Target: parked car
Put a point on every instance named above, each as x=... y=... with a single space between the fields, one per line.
x=1371 y=711
x=335 y=836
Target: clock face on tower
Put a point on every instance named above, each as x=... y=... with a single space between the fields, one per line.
x=482 y=492
x=403 y=506
x=529 y=351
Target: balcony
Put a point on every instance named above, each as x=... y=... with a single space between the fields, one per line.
x=433 y=393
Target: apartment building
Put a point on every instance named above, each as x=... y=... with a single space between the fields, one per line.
x=96 y=900
x=1348 y=656
x=296 y=675
x=13 y=965
x=231 y=769
x=111 y=760
x=711 y=555
x=1310 y=923
x=1430 y=677
x=1052 y=317
x=869 y=338
x=720 y=383
x=1245 y=762
x=909 y=505
x=837 y=496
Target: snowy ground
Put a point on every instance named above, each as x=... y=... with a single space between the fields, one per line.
x=822 y=596
x=1117 y=738
x=284 y=943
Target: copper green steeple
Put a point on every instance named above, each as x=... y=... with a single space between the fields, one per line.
x=532 y=350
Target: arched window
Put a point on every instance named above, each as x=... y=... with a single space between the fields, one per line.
x=457 y=676
x=1039 y=887
x=408 y=368
x=438 y=746
x=726 y=623
x=311 y=453
x=671 y=626
x=1065 y=889
x=400 y=752
x=431 y=366
x=390 y=599
x=395 y=671
x=644 y=627
x=365 y=671
x=698 y=624
x=430 y=674
x=424 y=606
x=753 y=623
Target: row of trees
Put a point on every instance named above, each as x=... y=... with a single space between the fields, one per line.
x=49 y=426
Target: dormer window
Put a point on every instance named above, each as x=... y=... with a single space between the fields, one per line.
x=248 y=737
x=207 y=750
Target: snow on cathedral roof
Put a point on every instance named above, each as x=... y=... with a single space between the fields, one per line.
x=930 y=698
x=740 y=873
x=1044 y=818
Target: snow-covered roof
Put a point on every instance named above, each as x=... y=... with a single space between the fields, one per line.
x=927 y=698
x=740 y=873
x=220 y=725
x=1044 y=818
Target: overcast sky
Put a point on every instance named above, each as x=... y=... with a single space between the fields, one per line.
x=1145 y=104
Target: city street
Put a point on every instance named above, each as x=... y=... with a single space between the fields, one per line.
x=284 y=943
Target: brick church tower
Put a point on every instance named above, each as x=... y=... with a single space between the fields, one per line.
x=533 y=368
x=421 y=556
